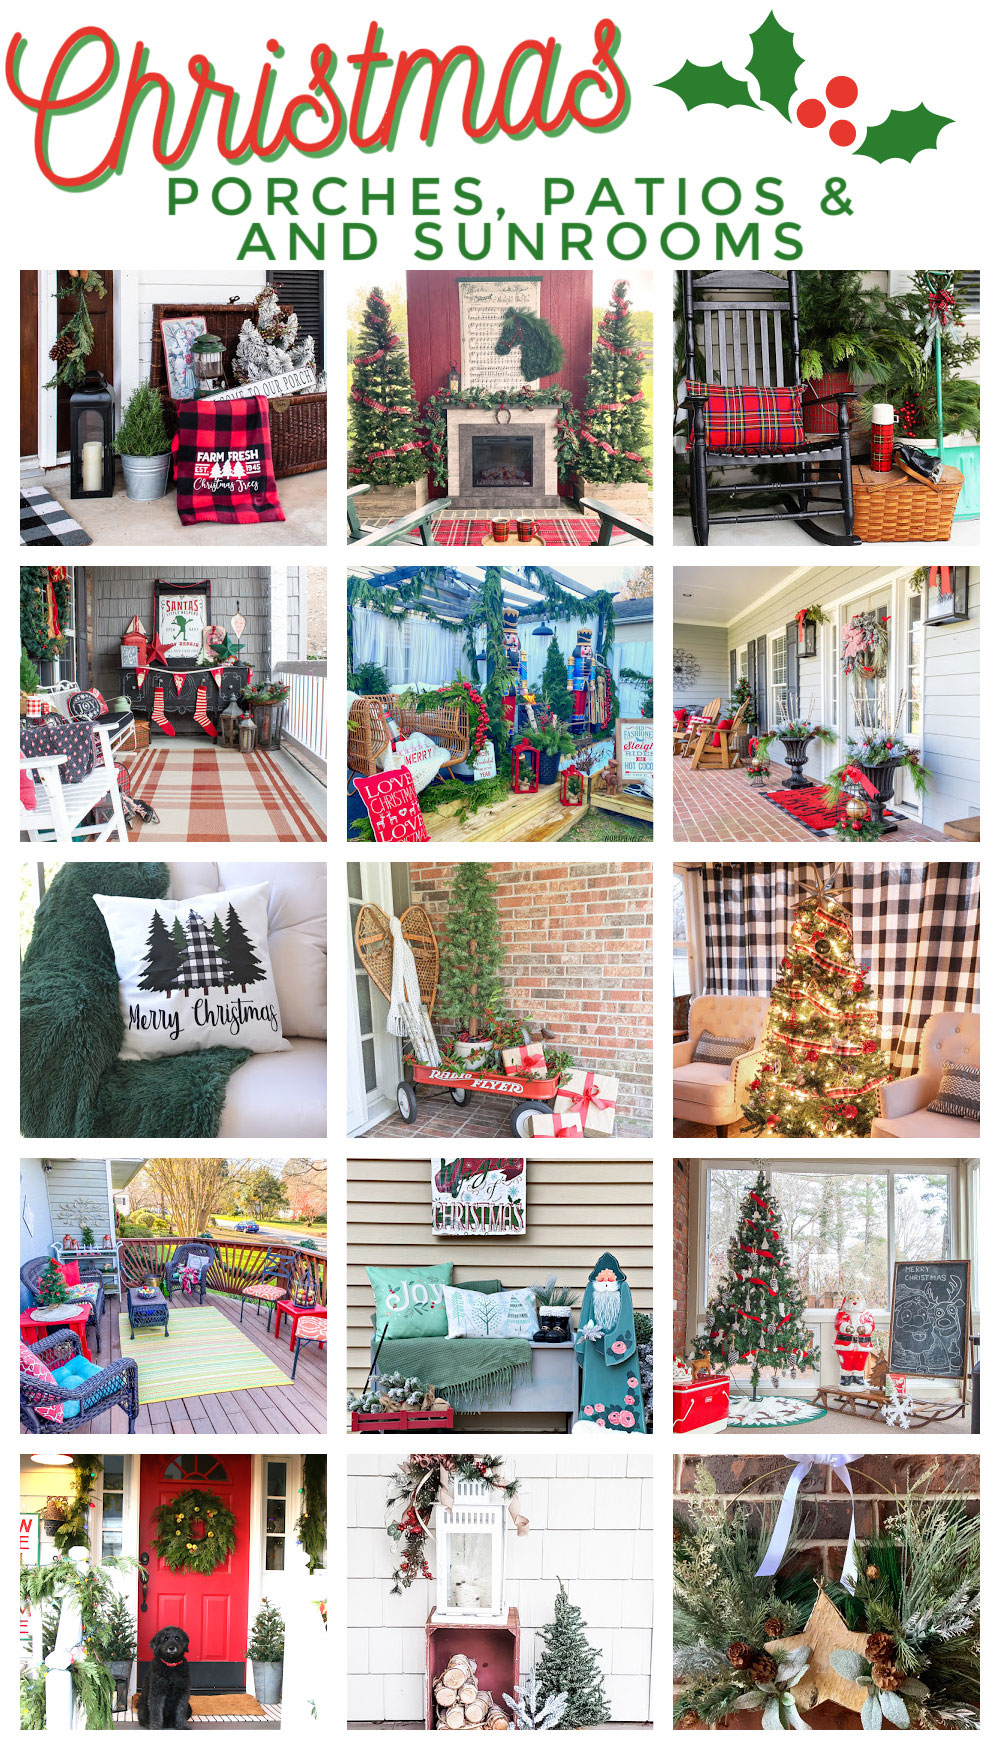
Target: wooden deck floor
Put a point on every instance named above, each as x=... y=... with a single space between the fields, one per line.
x=536 y=819
x=295 y=1408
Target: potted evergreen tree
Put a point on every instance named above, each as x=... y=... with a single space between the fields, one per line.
x=742 y=695
x=555 y=687
x=115 y=1638
x=469 y=992
x=266 y=1652
x=143 y=443
x=385 y=450
x=614 y=427
x=552 y=740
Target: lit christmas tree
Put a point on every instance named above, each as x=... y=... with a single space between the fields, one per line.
x=821 y=1062
x=384 y=451
x=756 y=1316
x=614 y=429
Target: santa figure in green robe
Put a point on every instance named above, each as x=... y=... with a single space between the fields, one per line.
x=610 y=1394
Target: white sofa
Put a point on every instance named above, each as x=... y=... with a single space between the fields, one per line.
x=950 y=1037
x=714 y=1093
x=279 y=1093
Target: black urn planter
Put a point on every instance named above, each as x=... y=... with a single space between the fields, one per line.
x=548 y=768
x=883 y=778
x=796 y=754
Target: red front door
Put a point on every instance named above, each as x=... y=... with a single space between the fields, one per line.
x=210 y=1608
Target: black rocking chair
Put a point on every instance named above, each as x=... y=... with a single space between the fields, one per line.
x=736 y=321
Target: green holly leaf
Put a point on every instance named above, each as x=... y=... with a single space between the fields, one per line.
x=775 y=64
x=903 y=134
x=696 y=86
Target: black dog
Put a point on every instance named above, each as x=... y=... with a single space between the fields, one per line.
x=163 y=1703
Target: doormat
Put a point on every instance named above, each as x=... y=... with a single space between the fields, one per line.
x=809 y=809
x=202 y=1353
x=44 y=523
x=204 y=793
x=208 y=1707
x=556 y=531
x=772 y=1412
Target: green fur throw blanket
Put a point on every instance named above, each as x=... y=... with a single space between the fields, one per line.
x=73 y=1082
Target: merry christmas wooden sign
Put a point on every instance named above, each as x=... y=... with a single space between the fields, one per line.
x=478 y=1198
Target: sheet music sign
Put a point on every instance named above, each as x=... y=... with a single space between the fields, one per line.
x=478 y=1198
x=482 y=309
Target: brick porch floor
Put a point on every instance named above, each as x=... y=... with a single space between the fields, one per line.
x=483 y=1115
x=715 y=806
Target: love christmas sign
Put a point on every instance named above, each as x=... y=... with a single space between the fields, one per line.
x=393 y=808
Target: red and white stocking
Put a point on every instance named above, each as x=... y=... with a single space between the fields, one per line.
x=159 y=715
x=201 y=716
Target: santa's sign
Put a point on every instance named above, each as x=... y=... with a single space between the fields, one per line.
x=181 y=621
x=478 y=1198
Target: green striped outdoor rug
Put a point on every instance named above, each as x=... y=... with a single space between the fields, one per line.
x=203 y=1353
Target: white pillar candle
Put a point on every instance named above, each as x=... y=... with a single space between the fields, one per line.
x=93 y=465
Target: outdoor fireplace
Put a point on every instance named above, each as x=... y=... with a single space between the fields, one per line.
x=502 y=461
x=503 y=465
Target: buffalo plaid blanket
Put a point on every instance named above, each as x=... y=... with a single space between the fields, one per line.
x=222 y=462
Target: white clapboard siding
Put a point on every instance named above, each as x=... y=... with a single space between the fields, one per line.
x=191 y=285
x=575 y=1211
x=78 y=1197
x=707 y=644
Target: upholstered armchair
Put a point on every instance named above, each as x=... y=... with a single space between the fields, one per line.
x=714 y=1093
x=950 y=1037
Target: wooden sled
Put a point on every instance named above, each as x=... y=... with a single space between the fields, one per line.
x=850 y=1400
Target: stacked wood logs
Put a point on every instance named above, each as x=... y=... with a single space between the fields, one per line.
x=461 y=1705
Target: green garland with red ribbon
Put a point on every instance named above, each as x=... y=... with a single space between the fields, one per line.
x=434 y=420
x=412 y=1497
x=44 y=610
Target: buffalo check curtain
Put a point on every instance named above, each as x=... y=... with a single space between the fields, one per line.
x=916 y=932
x=749 y=419
x=222 y=462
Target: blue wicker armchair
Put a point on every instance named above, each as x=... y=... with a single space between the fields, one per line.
x=269 y=1285
x=31 y=1275
x=93 y=1389
x=178 y=1261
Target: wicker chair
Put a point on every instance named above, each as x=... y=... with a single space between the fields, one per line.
x=265 y=1291
x=96 y=1394
x=177 y=1262
x=367 y=732
x=31 y=1275
x=446 y=724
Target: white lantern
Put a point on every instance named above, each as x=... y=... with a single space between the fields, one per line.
x=470 y=1555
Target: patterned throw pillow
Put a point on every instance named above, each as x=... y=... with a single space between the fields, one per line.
x=713 y=1049
x=958 y=1095
x=57 y=735
x=34 y=1365
x=749 y=419
x=411 y=1301
x=508 y=1314
x=88 y=706
x=83 y=1291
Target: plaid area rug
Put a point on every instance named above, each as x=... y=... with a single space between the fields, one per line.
x=204 y=793
x=44 y=523
x=555 y=531
x=809 y=809
x=202 y=1352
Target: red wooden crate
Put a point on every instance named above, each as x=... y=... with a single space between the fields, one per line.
x=399 y=1421
x=495 y=1646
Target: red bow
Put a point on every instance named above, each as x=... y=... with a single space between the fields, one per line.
x=857 y=776
x=527 y=1061
x=583 y=1101
x=800 y=620
x=940 y=576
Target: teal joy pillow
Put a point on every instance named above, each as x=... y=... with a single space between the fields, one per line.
x=410 y=1299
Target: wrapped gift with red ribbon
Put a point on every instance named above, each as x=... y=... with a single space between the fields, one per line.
x=556 y=1124
x=528 y=1060
x=592 y=1097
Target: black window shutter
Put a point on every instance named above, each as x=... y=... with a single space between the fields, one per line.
x=752 y=667
x=732 y=672
x=792 y=667
x=303 y=289
x=762 y=683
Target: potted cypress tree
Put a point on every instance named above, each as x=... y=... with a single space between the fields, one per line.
x=266 y=1651
x=143 y=443
x=469 y=991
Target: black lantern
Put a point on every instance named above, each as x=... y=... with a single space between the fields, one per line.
x=454 y=378
x=91 y=431
x=208 y=352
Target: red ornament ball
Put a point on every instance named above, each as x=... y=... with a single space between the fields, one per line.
x=812 y=1056
x=858 y=985
x=850 y=1111
x=843 y=133
x=869 y=1046
x=772 y=1120
x=754 y=1086
x=841 y=92
x=811 y=113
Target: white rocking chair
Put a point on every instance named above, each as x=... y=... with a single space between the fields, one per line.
x=60 y=808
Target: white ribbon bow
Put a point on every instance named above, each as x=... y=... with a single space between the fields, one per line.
x=804 y=1461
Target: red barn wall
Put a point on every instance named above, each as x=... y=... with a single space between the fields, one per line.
x=567 y=302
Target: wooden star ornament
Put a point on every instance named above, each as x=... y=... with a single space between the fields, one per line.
x=825 y=1630
x=156 y=652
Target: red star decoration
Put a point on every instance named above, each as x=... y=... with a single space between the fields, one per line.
x=155 y=652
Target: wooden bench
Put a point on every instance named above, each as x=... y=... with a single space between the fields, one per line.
x=962 y=829
x=611 y=520
x=411 y=530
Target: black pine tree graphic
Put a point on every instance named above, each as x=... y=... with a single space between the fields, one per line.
x=203 y=964
x=163 y=957
x=244 y=967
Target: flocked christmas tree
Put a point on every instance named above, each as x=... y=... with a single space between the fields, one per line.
x=614 y=429
x=384 y=446
x=270 y=343
x=468 y=987
x=568 y=1665
x=755 y=1317
x=821 y=1062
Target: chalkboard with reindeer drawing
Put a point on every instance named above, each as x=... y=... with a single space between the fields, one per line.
x=929 y=1322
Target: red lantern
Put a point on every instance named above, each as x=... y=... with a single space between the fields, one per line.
x=567 y=797
x=69 y=1243
x=528 y=787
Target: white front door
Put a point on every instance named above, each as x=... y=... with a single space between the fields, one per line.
x=374 y=1057
x=899 y=687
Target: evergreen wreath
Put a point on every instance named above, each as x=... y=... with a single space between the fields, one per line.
x=36 y=638
x=311 y=1524
x=75 y=341
x=541 y=348
x=417 y=1485
x=176 y=1543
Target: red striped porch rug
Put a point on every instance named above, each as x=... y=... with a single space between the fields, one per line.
x=203 y=794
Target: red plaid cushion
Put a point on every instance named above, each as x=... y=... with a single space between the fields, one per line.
x=222 y=462
x=750 y=419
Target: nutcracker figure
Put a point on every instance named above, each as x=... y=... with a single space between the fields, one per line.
x=855 y=1327
x=581 y=678
x=516 y=682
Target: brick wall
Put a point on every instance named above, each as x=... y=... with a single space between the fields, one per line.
x=682 y=1196
x=591 y=1517
x=579 y=958
x=116 y=592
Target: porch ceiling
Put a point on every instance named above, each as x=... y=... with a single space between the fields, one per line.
x=713 y=595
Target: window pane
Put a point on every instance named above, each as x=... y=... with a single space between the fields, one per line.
x=836 y=1230
x=274 y=1554
x=923 y=1215
x=682 y=973
x=276 y=1516
x=368 y=1061
x=276 y=1479
x=727 y=1187
x=364 y=1005
x=114 y=1472
x=680 y=911
x=354 y=880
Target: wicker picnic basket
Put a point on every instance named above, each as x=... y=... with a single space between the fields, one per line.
x=298 y=422
x=891 y=507
x=373 y=940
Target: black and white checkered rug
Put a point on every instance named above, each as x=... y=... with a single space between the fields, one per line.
x=44 y=523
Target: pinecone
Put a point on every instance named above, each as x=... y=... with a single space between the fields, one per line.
x=872 y=1571
x=762 y=1668
x=774 y=1628
x=887 y=1677
x=61 y=349
x=739 y=1653
x=879 y=1649
x=688 y=1722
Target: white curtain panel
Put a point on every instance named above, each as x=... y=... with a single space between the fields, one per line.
x=378 y=639
x=640 y=658
x=436 y=652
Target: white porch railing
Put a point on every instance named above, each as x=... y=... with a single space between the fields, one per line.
x=305 y=712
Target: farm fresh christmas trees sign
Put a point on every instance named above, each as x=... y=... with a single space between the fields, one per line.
x=478 y=1198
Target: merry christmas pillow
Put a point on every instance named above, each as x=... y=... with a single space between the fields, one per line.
x=411 y=1302
x=194 y=973
x=420 y=754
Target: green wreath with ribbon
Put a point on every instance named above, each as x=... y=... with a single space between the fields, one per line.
x=176 y=1542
